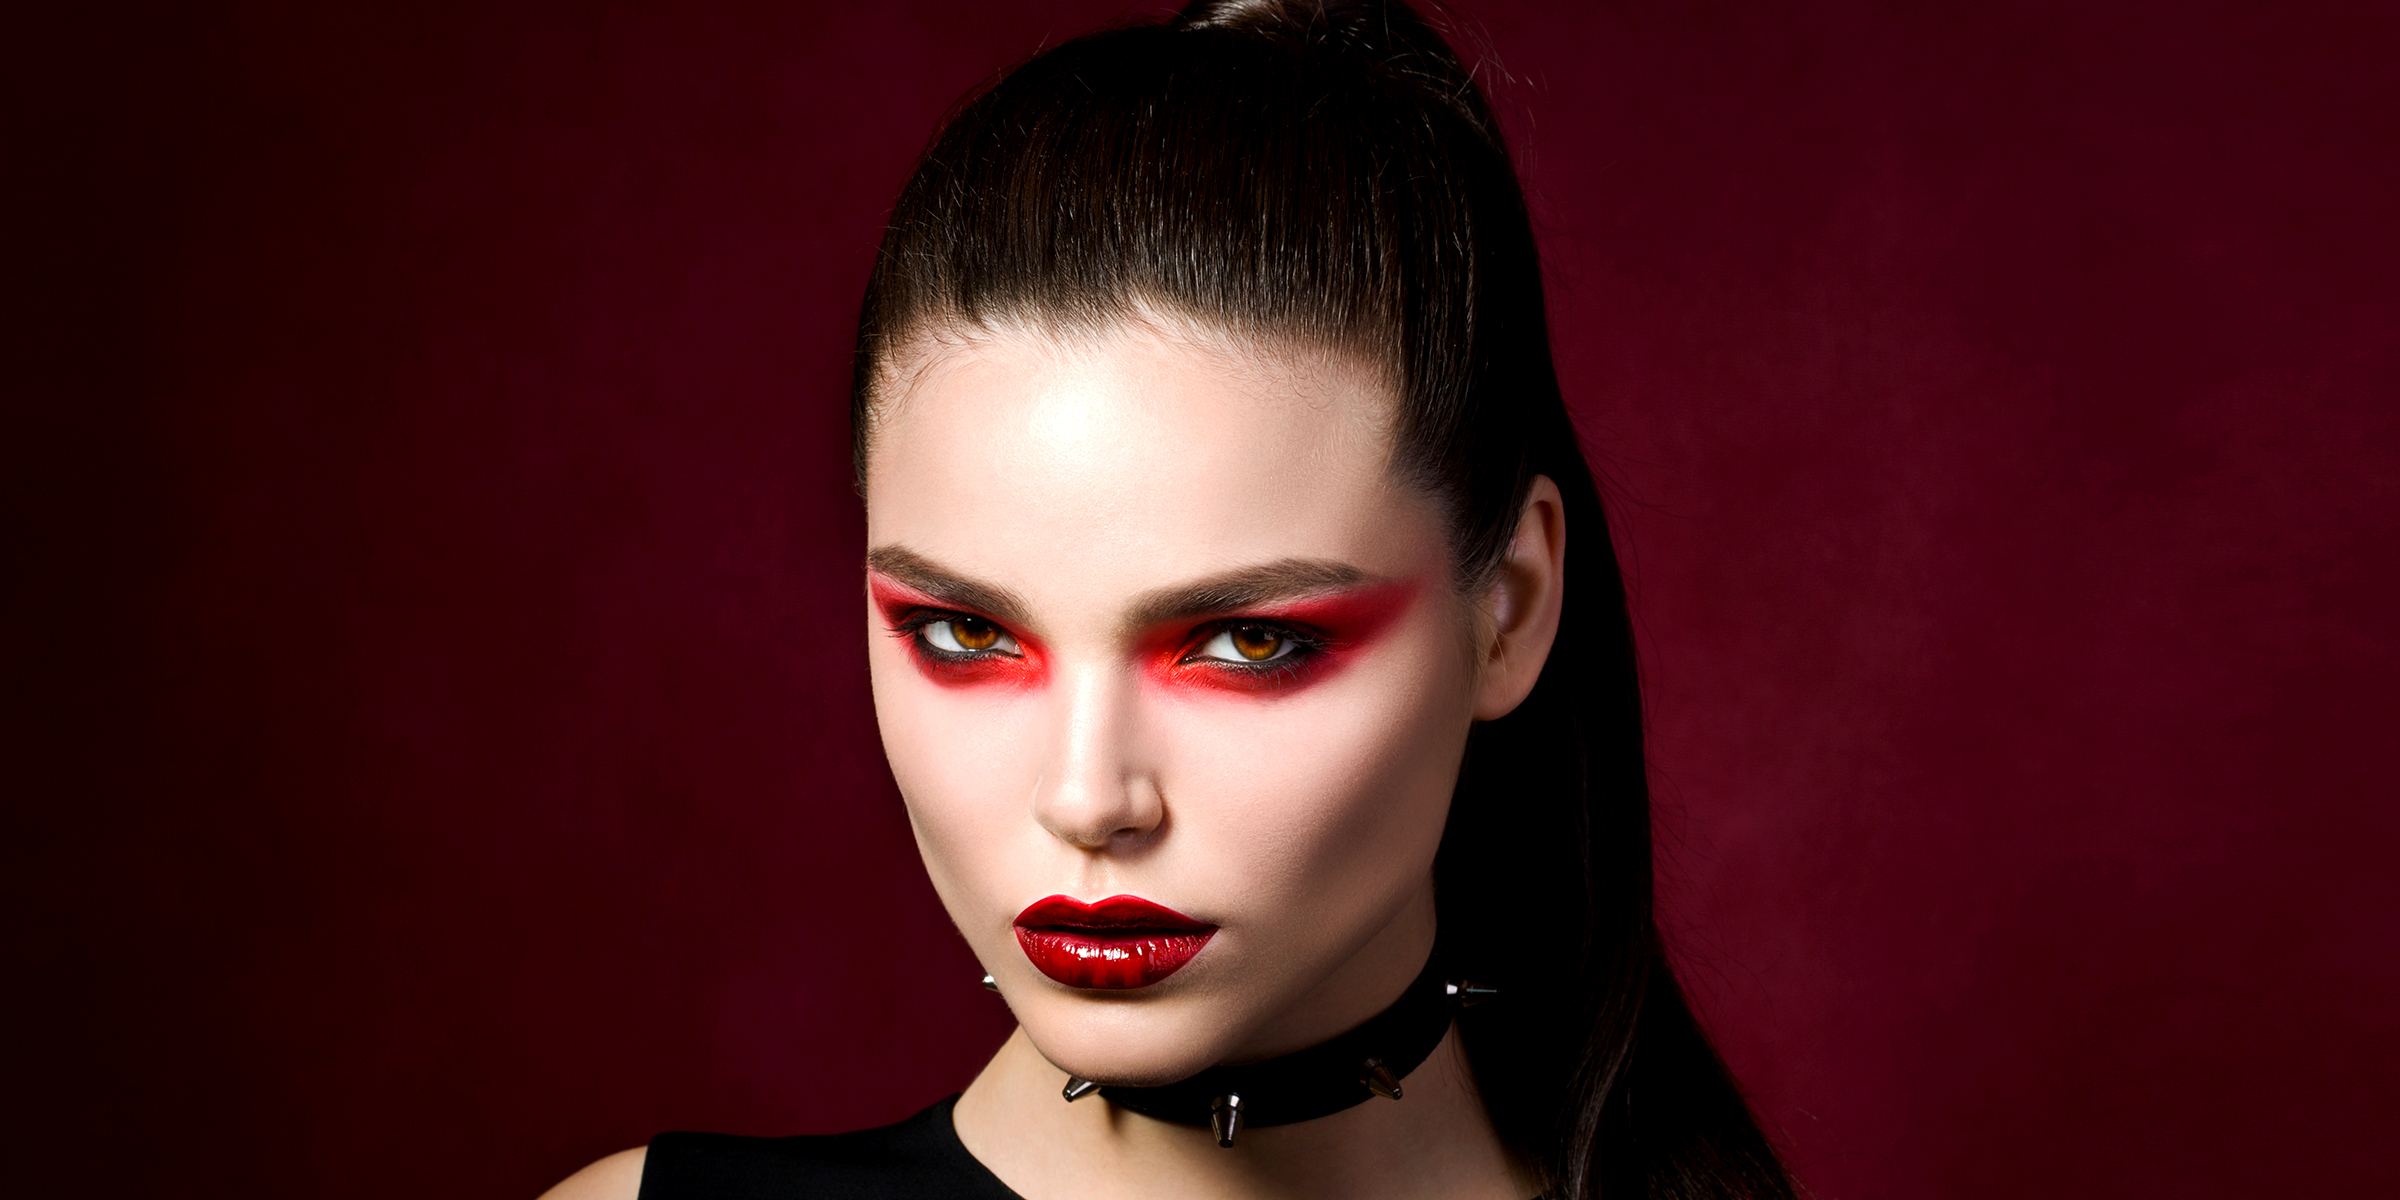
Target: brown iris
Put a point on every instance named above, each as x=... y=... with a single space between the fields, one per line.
x=1255 y=642
x=974 y=633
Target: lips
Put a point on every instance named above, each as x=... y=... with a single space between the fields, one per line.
x=1118 y=943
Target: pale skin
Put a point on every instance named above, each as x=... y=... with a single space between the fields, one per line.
x=1061 y=494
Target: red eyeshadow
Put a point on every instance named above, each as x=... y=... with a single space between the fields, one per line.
x=1344 y=624
x=897 y=601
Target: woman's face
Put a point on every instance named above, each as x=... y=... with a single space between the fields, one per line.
x=1150 y=617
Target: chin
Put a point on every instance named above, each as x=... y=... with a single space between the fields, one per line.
x=1126 y=1039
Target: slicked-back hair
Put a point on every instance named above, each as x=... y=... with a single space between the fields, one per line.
x=1330 y=174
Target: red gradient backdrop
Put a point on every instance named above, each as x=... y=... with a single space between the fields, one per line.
x=442 y=750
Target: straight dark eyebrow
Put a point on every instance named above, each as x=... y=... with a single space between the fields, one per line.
x=1245 y=588
x=951 y=590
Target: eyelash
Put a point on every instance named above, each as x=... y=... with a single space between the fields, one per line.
x=913 y=624
x=1306 y=646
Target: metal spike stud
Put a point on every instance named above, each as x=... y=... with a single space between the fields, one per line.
x=1225 y=1119
x=1379 y=1079
x=990 y=984
x=1077 y=1089
x=1468 y=992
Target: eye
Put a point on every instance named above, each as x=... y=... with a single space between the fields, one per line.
x=966 y=635
x=1248 y=644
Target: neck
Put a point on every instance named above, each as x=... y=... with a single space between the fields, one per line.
x=1438 y=1141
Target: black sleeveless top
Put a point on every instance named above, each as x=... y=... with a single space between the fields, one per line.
x=920 y=1158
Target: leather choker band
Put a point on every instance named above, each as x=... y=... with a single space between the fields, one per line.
x=1324 y=1079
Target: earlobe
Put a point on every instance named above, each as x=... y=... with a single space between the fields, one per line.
x=1522 y=609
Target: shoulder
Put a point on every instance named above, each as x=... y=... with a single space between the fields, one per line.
x=617 y=1177
x=918 y=1157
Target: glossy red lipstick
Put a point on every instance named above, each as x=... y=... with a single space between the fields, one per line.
x=1121 y=942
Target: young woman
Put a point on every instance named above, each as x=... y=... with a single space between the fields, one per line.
x=1249 y=649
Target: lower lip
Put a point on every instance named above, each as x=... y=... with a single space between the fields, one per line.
x=1089 y=958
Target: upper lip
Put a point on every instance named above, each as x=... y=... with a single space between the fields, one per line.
x=1116 y=914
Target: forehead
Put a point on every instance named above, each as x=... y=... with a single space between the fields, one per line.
x=1141 y=454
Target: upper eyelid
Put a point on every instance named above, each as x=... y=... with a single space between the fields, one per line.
x=1296 y=632
x=926 y=614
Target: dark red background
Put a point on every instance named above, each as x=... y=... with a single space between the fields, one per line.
x=443 y=753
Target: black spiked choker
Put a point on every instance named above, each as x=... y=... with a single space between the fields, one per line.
x=1324 y=1079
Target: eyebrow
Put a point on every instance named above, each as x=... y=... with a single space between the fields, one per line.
x=948 y=587
x=1246 y=587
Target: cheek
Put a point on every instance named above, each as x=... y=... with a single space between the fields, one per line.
x=1332 y=799
x=960 y=756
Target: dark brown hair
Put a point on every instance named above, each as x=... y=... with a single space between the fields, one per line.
x=1329 y=172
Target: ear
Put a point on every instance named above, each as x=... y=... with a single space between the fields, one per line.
x=1521 y=610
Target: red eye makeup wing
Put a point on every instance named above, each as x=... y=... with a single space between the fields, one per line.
x=896 y=600
x=1328 y=631
x=1351 y=617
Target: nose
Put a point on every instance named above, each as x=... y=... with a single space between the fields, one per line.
x=1094 y=793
